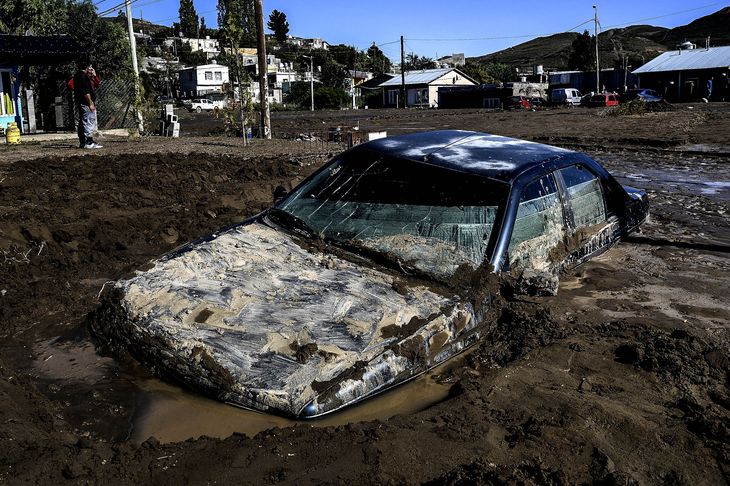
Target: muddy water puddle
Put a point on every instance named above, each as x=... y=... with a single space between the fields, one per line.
x=171 y=414
x=709 y=177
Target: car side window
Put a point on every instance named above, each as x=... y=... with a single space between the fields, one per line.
x=585 y=195
x=539 y=225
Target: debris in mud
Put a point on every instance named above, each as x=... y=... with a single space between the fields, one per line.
x=675 y=355
x=486 y=473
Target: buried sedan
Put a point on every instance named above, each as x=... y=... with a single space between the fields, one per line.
x=351 y=284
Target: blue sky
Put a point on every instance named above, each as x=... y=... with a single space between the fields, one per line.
x=359 y=23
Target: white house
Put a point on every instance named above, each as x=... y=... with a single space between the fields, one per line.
x=422 y=86
x=204 y=79
x=211 y=47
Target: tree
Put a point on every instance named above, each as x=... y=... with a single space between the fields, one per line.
x=477 y=72
x=189 y=57
x=237 y=23
x=582 y=53
x=40 y=17
x=203 y=28
x=278 y=25
x=500 y=73
x=413 y=62
x=379 y=62
x=188 y=18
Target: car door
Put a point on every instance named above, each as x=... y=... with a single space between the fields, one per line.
x=591 y=226
x=539 y=228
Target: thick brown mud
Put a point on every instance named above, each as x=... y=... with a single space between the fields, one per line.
x=621 y=378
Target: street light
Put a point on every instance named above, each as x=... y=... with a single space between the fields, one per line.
x=311 y=79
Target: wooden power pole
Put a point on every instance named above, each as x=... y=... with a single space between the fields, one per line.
x=133 y=48
x=263 y=70
x=402 y=73
x=595 y=33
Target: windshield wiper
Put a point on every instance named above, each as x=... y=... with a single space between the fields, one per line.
x=290 y=221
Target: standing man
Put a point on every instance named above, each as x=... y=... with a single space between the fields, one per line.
x=84 y=85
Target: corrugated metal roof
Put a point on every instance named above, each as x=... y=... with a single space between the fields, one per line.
x=418 y=77
x=714 y=57
x=38 y=49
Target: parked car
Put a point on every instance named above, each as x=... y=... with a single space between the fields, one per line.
x=565 y=96
x=538 y=101
x=345 y=288
x=603 y=100
x=199 y=104
x=518 y=102
x=648 y=95
x=163 y=99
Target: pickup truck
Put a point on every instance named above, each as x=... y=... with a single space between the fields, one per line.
x=200 y=104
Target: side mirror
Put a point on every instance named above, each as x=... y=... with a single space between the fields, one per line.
x=279 y=193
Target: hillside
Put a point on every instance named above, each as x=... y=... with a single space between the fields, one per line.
x=639 y=43
x=549 y=51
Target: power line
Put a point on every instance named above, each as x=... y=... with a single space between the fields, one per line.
x=115 y=7
x=500 y=37
x=664 y=15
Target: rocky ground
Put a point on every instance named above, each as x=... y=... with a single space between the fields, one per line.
x=622 y=378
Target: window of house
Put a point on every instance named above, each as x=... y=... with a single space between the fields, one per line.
x=393 y=97
x=422 y=96
x=190 y=75
x=209 y=75
x=218 y=76
x=7 y=107
x=539 y=225
x=585 y=196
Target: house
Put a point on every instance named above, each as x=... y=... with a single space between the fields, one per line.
x=422 y=86
x=371 y=91
x=279 y=74
x=490 y=96
x=211 y=47
x=311 y=43
x=456 y=59
x=682 y=75
x=18 y=102
x=10 y=104
x=204 y=79
x=355 y=78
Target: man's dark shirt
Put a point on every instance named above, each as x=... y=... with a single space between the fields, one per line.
x=82 y=87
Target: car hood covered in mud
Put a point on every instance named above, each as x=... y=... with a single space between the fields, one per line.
x=255 y=319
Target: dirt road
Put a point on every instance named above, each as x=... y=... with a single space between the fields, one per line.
x=621 y=378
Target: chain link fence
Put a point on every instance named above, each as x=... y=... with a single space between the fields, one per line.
x=114 y=105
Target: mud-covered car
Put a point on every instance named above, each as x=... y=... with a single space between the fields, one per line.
x=355 y=282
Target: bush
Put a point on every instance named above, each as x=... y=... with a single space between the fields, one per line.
x=326 y=97
x=638 y=107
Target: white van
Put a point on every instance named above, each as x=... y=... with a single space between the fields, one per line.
x=565 y=96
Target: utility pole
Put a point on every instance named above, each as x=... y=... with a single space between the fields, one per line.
x=402 y=73
x=263 y=70
x=311 y=80
x=135 y=68
x=595 y=34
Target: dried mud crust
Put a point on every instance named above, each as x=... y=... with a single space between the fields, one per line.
x=618 y=379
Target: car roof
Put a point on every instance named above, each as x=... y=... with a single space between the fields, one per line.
x=482 y=154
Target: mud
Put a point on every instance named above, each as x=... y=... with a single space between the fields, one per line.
x=621 y=378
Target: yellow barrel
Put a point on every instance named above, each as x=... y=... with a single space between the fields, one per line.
x=12 y=133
